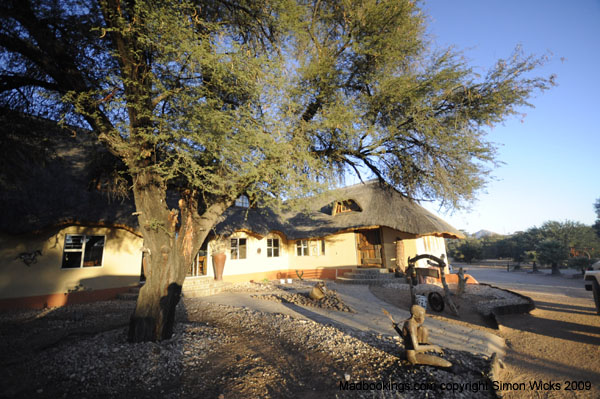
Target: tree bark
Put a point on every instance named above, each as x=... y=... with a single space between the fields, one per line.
x=170 y=246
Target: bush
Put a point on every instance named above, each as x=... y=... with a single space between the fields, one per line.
x=579 y=262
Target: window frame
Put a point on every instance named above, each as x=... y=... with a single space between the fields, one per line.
x=302 y=248
x=242 y=201
x=82 y=251
x=273 y=251
x=235 y=253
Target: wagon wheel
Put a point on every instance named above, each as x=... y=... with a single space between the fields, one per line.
x=436 y=301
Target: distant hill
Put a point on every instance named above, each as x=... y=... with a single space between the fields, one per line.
x=484 y=233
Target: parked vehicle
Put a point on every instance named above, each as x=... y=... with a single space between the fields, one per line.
x=592 y=283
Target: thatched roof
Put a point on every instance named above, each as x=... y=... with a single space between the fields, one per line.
x=380 y=205
x=51 y=176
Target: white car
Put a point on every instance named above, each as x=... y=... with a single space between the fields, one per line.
x=592 y=283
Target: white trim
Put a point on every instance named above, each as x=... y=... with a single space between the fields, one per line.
x=303 y=245
x=82 y=251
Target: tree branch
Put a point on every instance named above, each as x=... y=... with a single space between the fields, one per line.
x=11 y=82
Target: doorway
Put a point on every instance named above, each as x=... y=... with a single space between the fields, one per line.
x=369 y=248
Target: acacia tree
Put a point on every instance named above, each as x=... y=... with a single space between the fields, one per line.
x=552 y=252
x=596 y=225
x=213 y=99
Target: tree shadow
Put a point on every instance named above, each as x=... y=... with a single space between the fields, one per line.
x=571 y=309
x=566 y=371
x=575 y=332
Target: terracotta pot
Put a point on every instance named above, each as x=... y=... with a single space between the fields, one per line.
x=316 y=293
x=218 y=261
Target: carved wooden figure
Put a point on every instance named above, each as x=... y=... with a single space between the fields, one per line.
x=416 y=340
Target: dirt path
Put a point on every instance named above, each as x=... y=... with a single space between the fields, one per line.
x=557 y=342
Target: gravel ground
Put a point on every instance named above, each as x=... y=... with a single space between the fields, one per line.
x=216 y=351
x=298 y=293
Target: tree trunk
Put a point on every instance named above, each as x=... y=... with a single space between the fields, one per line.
x=555 y=268
x=170 y=248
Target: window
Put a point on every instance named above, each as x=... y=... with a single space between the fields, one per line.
x=242 y=202
x=272 y=247
x=302 y=247
x=345 y=206
x=317 y=247
x=82 y=251
x=238 y=248
x=198 y=266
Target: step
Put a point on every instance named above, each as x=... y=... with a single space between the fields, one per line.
x=196 y=292
x=363 y=281
x=197 y=285
x=135 y=290
x=372 y=271
x=127 y=296
x=368 y=275
x=192 y=288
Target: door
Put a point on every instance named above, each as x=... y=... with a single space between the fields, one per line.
x=369 y=248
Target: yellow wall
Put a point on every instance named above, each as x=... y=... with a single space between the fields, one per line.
x=413 y=245
x=390 y=237
x=120 y=265
x=340 y=250
x=256 y=256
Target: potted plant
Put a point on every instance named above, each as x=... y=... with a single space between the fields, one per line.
x=218 y=248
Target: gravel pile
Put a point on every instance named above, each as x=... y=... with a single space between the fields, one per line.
x=294 y=293
x=331 y=300
x=215 y=350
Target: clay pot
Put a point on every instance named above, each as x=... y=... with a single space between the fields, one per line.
x=218 y=261
x=316 y=293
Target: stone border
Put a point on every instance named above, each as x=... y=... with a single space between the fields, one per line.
x=492 y=317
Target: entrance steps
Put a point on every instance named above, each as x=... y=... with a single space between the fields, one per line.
x=131 y=294
x=193 y=287
x=367 y=277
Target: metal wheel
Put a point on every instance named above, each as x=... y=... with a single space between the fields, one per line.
x=436 y=301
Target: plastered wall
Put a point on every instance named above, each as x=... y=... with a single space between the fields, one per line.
x=413 y=245
x=256 y=256
x=120 y=264
x=340 y=250
x=390 y=237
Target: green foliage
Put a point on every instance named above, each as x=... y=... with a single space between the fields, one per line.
x=578 y=240
x=269 y=98
x=581 y=238
x=552 y=252
x=580 y=262
x=466 y=250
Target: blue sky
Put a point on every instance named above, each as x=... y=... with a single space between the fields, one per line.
x=551 y=158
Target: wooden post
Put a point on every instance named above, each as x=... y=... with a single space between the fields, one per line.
x=448 y=298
